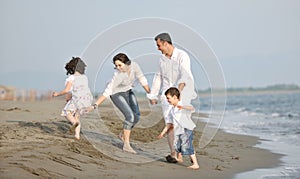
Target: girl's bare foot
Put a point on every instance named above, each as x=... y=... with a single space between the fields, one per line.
x=73 y=127
x=77 y=137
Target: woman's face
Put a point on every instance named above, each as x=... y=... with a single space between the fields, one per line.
x=122 y=67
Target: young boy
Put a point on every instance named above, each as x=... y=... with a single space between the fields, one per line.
x=183 y=127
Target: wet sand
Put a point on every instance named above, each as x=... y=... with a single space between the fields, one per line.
x=35 y=144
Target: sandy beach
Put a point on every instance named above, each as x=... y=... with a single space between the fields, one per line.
x=35 y=144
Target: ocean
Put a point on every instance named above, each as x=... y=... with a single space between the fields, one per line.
x=274 y=118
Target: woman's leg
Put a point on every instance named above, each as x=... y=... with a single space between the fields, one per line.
x=134 y=107
x=121 y=100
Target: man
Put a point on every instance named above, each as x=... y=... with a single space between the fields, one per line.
x=174 y=71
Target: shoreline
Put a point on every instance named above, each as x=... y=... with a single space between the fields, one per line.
x=34 y=144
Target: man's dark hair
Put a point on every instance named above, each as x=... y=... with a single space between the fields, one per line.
x=165 y=37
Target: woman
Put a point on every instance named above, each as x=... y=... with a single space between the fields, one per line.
x=120 y=91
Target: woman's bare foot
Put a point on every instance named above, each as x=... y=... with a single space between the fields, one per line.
x=129 y=149
x=121 y=137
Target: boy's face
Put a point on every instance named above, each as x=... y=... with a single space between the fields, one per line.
x=172 y=99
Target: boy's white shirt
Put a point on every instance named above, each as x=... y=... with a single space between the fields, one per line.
x=181 y=119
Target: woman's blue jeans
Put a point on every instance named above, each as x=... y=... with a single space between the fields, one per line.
x=126 y=102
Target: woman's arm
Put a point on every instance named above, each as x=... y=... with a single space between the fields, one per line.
x=147 y=89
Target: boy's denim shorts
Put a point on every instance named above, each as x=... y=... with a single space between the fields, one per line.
x=184 y=143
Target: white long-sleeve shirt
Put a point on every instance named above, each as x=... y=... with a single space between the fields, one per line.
x=122 y=82
x=171 y=73
x=181 y=119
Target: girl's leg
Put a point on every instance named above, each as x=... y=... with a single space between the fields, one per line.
x=70 y=117
x=77 y=128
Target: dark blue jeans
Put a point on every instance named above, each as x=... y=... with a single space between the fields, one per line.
x=126 y=102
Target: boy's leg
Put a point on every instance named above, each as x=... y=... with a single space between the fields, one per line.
x=195 y=165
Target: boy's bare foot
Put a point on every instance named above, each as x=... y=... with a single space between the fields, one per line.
x=129 y=149
x=194 y=167
x=179 y=160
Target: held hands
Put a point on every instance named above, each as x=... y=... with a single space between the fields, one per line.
x=153 y=101
x=89 y=109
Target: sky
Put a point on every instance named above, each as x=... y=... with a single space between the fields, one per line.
x=256 y=42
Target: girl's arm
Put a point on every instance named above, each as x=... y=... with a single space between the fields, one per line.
x=64 y=91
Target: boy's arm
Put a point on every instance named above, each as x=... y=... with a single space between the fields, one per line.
x=165 y=130
x=189 y=108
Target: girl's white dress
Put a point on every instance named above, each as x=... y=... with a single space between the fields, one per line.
x=81 y=95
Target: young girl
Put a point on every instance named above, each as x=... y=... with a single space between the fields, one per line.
x=119 y=90
x=78 y=93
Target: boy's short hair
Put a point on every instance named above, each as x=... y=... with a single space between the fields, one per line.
x=173 y=92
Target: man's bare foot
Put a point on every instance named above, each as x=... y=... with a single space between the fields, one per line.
x=194 y=167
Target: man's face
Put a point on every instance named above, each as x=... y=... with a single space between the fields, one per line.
x=161 y=46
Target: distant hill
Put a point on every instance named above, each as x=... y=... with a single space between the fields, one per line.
x=270 y=88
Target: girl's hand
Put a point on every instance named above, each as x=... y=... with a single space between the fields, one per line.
x=54 y=94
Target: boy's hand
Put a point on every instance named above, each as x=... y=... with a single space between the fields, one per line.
x=161 y=135
x=180 y=107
